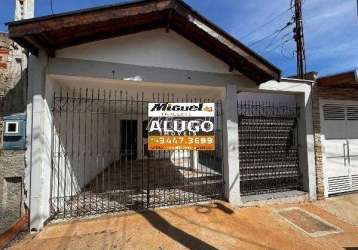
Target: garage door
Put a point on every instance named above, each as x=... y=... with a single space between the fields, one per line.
x=340 y=127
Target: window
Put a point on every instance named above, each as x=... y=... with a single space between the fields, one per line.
x=12 y=127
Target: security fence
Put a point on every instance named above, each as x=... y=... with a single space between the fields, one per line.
x=268 y=148
x=101 y=163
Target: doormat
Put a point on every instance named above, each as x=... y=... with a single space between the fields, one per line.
x=309 y=223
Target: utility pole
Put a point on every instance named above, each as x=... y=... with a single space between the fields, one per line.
x=298 y=36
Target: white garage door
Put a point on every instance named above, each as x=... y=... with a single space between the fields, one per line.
x=340 y=127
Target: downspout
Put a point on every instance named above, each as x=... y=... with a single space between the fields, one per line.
x=31 y=140
x=30 y=160
x=32 y=137
x=314 y=139
x=313 y=93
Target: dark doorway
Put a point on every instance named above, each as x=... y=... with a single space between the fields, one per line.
x=129 y=139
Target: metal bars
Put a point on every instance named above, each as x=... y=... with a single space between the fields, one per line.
x=268 y=148
x=100 y=161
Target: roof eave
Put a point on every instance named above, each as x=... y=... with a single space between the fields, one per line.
x=32 y=33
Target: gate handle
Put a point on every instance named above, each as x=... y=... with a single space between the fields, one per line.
x=344 y=153
x=348 y=153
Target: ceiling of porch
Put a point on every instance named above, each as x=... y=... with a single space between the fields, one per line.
x=135 y=90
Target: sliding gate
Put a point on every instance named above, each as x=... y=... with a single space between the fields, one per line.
x=268 y=148
x=100 y=160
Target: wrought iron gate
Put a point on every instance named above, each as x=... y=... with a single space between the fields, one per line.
x=268 y=148
x=100 y=161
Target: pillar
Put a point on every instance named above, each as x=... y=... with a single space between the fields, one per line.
x=231 y=146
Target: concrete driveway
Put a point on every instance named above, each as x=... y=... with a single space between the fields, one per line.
x=210 y=226
x=344 y=207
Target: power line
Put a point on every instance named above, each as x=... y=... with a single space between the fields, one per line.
x=276 y=33
x=93 y=2
x=273 y=48
x=51 y=6
x=281 y=44
x=267 y=23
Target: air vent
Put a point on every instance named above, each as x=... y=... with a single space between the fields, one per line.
x=333 y=112
x=355 y=182
x=338 y=184
x=352 y=113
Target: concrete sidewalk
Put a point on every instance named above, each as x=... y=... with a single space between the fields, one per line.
x=210 y=226
x=344 y=207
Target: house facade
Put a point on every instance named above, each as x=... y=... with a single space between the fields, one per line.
x=335 y=112
x=92 y=74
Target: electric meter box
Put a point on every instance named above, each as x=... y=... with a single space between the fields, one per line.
x=14 y=132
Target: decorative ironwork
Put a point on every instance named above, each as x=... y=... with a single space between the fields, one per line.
x=268 y=148
x=100 y=161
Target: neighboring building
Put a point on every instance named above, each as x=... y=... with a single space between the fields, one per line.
x=13 y=88
x=91 y=76
x=335 y=117
x=12 y=162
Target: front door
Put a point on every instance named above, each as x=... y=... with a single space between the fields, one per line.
x=129 y=139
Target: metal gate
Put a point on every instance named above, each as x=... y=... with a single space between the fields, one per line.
x=268 y=148
x=100 y=161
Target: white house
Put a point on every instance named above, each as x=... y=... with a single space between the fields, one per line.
x=93 y=72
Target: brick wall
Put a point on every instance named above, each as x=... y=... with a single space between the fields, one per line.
x=2 y=123
x=12 y=76
x=11 y=169
x=319 y=93
x=12 y=101
x=4 y=56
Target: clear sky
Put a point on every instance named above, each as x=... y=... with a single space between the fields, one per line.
x=330 y=27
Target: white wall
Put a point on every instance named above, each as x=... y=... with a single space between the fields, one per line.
x=271 y=98
x=301 y=89
x=82 y=149
x=155 y=48
x=84 y=142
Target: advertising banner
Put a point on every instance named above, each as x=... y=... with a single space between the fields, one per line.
x=181 y=126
